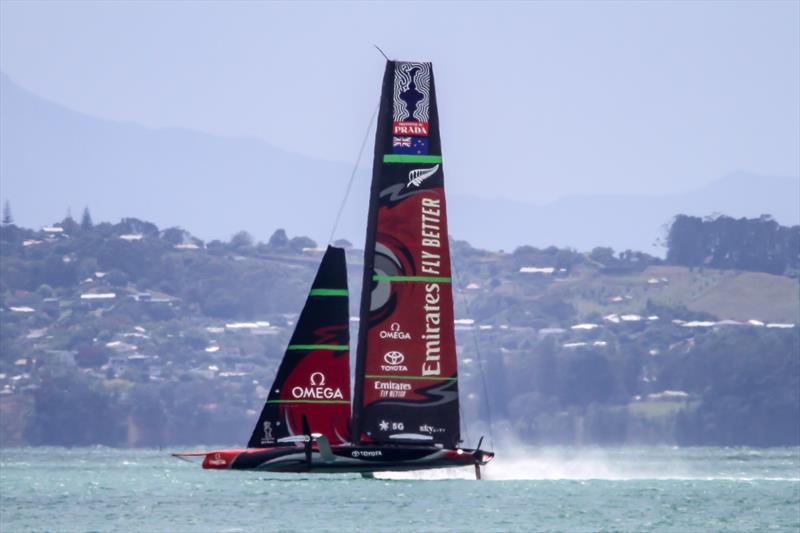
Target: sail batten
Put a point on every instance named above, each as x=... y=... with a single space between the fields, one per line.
x=328 y=292
x=309 y=347
x=411 y=278
x=410 y=158
x=406 y=372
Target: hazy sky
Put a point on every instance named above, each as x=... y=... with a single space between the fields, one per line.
x=537 y=100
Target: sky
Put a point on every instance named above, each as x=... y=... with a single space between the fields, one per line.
x=537 y=100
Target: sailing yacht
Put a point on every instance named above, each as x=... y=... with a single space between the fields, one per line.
x=404 y=414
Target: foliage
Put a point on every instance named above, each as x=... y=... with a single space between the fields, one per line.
x=551 y=383
x=86 y=219
x=759 y=244
x=8 y=218
x=242 y=241
x=91 y=356
x=278 y=239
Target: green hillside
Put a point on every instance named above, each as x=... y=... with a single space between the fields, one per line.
x=129 y=335
x=725 y=294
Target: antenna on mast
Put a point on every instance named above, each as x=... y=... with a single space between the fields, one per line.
x=381 y=51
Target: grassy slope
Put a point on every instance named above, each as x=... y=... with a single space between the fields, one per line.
x=726 y=294
x=746 y=295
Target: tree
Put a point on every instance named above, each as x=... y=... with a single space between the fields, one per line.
x=242 y=241
x=7 y=217
x=299 y=243
x=74 y=411
x=603 y=255
x=685 y=243
x=134 y=225
x=57 y=273
x=69 y=224
x=86 y=219
x=174 y=235
x=757 y=244
x=278 y=239
x=91 y=356
x=584 y=377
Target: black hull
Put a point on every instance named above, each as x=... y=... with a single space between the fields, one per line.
x=345 y=459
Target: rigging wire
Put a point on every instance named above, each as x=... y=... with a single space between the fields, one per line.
x=477 y=352
x=460 y=408
x=353 y=175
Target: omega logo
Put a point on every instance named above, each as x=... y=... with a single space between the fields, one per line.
x=395 y=333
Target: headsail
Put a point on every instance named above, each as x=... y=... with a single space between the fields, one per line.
x=406 y=376
x=314 y=377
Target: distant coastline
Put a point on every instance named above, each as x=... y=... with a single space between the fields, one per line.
x=130 y=335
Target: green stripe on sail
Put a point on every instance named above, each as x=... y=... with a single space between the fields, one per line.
x=334 y=347
x=328 y=292
x=410 y=158
x=431 y=279
x=399 y=377
x=309 y=401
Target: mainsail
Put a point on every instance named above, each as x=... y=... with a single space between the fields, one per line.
x=313 y=380
x=406 y=377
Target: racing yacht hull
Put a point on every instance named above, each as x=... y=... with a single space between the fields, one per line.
x=341 y=459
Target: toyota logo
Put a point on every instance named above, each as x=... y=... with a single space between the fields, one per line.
x=394 y=358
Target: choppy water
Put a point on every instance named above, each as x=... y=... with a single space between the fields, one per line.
x=551 y=489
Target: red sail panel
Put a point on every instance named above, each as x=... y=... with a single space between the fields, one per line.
x=319 y=390
x=313 y=380
x=406 y=373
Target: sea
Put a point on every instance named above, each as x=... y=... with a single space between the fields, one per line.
x=634 y=489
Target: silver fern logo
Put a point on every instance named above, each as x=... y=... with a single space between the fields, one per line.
x=417 y=176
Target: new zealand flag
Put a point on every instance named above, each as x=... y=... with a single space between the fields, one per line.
x=410 y=145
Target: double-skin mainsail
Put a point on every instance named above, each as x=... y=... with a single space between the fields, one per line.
x=406 y=381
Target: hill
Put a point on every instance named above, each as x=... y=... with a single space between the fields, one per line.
x=732 y=295
x=623 y=222
x=219 y=185
x=127 y=334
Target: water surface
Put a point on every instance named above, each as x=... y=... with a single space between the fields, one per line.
x=550 y=489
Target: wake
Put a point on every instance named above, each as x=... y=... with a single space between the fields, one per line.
x=584 y=464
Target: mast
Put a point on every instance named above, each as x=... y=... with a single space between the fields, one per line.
x=406 y=377
x=369 y=247
x=313 y=380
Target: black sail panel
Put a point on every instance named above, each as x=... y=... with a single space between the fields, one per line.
x=406 y=373
x=313 y=380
